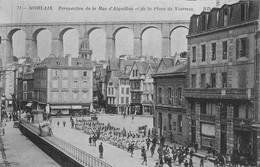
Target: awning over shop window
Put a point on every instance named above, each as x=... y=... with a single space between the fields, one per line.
x=60 y=107
x=76 y=107
x=28 y=104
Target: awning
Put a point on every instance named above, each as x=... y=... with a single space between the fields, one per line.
x=76 y=107
x=28 y=104
x=60 y=107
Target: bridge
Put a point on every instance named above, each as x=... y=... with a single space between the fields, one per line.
x=58 y=29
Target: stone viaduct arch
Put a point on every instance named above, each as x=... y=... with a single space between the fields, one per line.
x=57 y=31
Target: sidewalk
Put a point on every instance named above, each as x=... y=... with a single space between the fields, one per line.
x=17 y=150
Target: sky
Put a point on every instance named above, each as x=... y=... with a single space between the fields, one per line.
x=27 y=11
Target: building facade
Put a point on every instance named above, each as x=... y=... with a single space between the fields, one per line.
x=170 y=117
x=223 y=84
x=64 y=85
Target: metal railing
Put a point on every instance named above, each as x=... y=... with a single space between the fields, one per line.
x=75 y=153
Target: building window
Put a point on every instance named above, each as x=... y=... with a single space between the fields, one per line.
x=170 y=96
x=85 y=84
x=170 y=121
x=127 y=91
x=55 y=83
x=65 y=73
x=193 y=80
x=79 y=64
x=65 y=96
x=243 y=12
x=194 y=54
x=203 y=107
x=224 y=80
x=225 y=19
x=160 y=95
x=112 y=91
x=193 y=107
x=55 y=96
x=203 y=80
x=213 y=49
x=127 y=100
x=241 y=47
x=65 y=84
x=75 y=73
x=180 y=123
x=122 y=100
x=55 y=73
x=179 y=96
x=122 y=90
x=85 y=73
x=75 y=96
x=75 y=84
x=213 y=80
x=203 y=49
x=242 y=79
x=84 y=96
x=224 y=50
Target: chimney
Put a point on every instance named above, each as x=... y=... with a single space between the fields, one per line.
x=68 y=56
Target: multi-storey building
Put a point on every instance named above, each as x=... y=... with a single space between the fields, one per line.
x=64 y=84
x=148 y=91
x=136 y=78
x=223 y=93
x=112 y=86
x=170 y=113
x=124 y=95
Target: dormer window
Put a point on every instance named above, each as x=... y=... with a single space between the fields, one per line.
x=79 y=64
x=243 y=9
x=225 y=17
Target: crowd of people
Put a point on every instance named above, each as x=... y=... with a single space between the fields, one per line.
x=143 y=141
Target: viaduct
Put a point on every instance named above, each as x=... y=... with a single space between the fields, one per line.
x=58 y=29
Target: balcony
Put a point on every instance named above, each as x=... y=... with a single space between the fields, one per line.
x=216 y=93
x=208 y=118
x=243 y=123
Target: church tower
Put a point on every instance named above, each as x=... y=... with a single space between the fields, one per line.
x=84 y=49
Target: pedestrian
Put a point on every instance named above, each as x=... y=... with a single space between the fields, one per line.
x=201 y=162
x=64 y=124
x=144 y=157
x=131 y=149
x=148 y=143
x=162 y=141
x=124 y=114
x=190 y=163
x=10 y=117
x=94 y=139
x=186 y=164
x=101 y=150
x=58 y=123
x=3 y=131
x=90 y=140
x=149 y=133
x=152 y=150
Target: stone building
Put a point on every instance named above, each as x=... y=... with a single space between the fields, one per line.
x=223 y=86
x=64 y=85
x=170 y=112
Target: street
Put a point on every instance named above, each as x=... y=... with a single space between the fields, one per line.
x=112 y=155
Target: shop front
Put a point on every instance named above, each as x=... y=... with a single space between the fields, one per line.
x=76 y=110
x=136 y=109
x=59 y=110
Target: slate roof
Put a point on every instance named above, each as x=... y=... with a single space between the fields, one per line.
x=142 y=67
x=62 y=62
x=179 y=69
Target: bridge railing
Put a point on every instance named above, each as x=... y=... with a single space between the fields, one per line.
x=77 y=154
